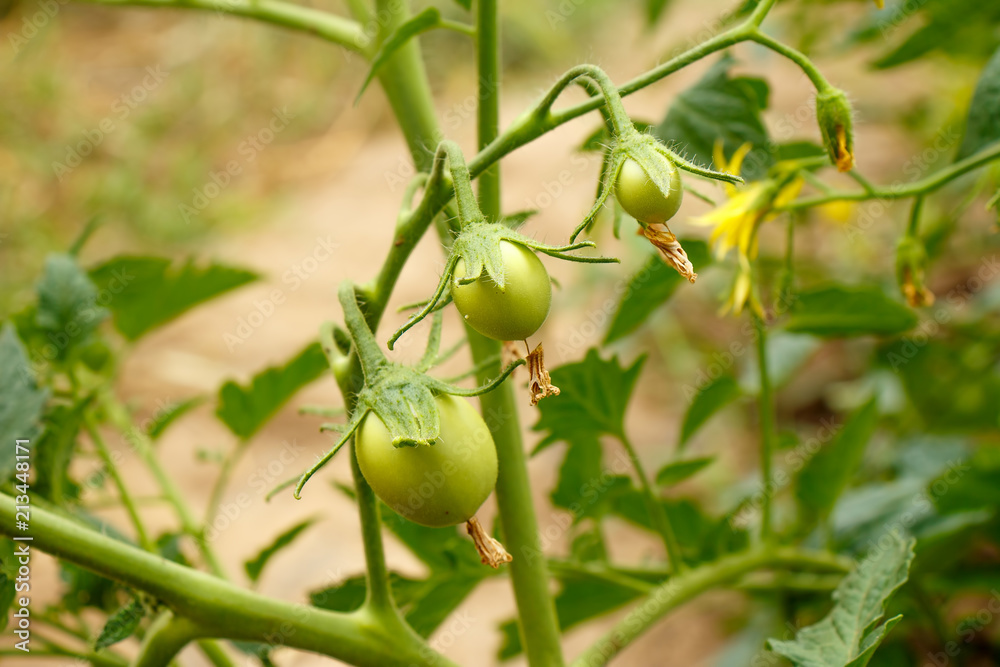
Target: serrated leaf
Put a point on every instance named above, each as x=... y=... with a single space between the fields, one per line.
x=21 y=400
x=163 y=419
x=147 y=292
x=713 y=397
x=850 y=633
x=54 y=452
x=595 y=394
x=67 y=302
x=245 y=408
x=720 y=108
x=982 y=127
x=650 y=288
x=255 y=566
x=122 y=624
x=678 y=471
x=825 y=476
x=838 y=311
x=428 y=19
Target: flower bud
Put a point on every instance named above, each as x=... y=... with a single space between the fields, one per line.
x=911 y=258
x=833 y=113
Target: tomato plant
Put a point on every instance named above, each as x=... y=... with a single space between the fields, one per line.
x=830 y=363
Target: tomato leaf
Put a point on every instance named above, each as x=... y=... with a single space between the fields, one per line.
x=713 y=397
x=121 y=625
x=678 y=471
x=54 y=452
x=146 y=292
x=255 y=566
x=67 y=303
x=594 y=396
x=827 y=473
x=21 y=400
x=838 y=311
x=982 y=127
x=245 y=408
x=721 y=108
x=163 y=419
x=650 y=288
x=850 y=633
x=428 y=19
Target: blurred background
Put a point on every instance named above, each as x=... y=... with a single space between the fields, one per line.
x=131 y=115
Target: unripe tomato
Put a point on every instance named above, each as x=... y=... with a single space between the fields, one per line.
x=640 y=197
x=514 y=312
x=437 y=485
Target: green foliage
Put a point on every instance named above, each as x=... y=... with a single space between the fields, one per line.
x=837 y=311
x=146 y=292
x=853 y=630
x=21 y=399
x=678 y=471
x=428 y=19
x=67 y=301
x=983 y=125
x=8 y=574
x=246 y=408
x=827 y=473
x=650 y=288
x=122 y=624
x=721 y=108
x=162 y=420
x=714 y=396
x=255 y=566
x=54 y=452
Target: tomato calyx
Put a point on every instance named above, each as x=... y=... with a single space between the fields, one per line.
x=478 y=247
x=401 y=396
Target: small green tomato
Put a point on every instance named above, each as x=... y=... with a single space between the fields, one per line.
x=438 y=485
x=514 y=312
x=640 y=197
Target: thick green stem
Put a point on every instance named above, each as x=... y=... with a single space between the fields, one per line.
x=767 y=427
x=657 y=513
x=166 y=637
x=488 y=112
x=324 y=25
x=218 y=608
x=692 y=583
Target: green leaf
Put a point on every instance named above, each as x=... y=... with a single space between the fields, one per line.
x=678 y=471
x=713 y=397
x=581 y=599
x=67 y=303
x=21 y=400
x=838 y=311
x=721 y=108
x=595 y=394
x=827 y=473
x=54 y=452
x=583 y=488
x=464 y=4
x=983 y=125
x=850 y=633
x=122 y=624
x=163 y=419
x=255 y=566
x=650 y=288
x=244 y=409
x=428 y=19
x=654 y=10
x=799 y=150
x=956 y=27
x=146 y=292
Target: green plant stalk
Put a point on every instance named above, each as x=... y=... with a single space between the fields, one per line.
x=218 y=608
x=123 y=493
x=165 y=638
x=767 y=427
x=119 y=416
x=692 y=583
x=537 y=621
x=913 y=227
x=657 y=513
x=800 y=59
x=322 y=24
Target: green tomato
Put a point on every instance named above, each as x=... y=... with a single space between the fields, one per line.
x=437 y=485
x=514 y=312
x=640 y=197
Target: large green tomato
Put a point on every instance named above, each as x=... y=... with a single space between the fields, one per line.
x=640 y=197
x=512 y=313
x=438 y=485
